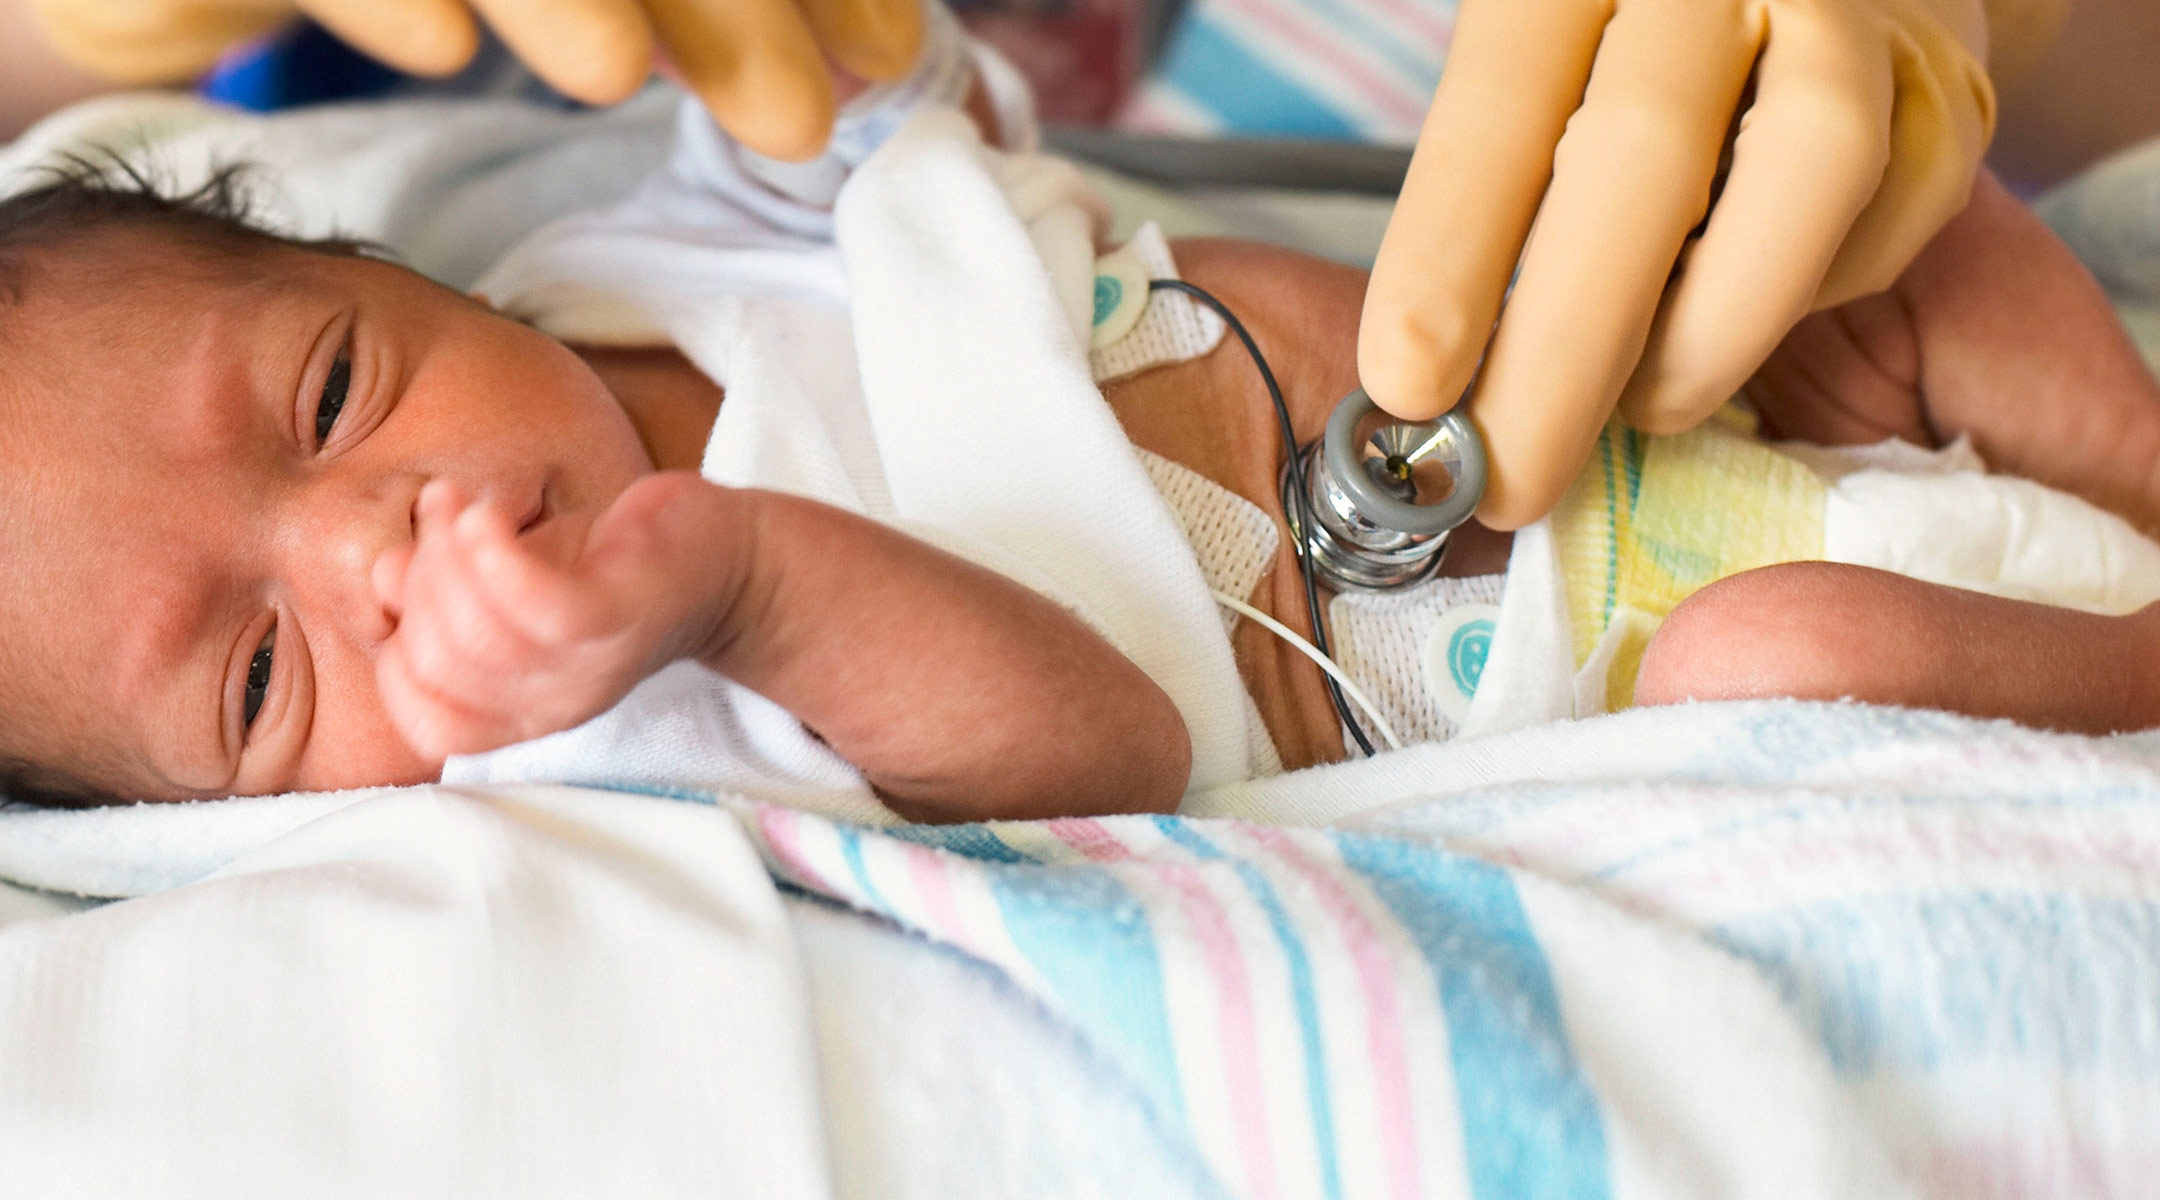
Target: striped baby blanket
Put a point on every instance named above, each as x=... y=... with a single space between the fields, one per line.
x=1768 y=949
x=1332 y=1014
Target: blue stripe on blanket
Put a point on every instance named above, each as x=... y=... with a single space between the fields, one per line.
x=1217 y=72
x=1301 y=984
x=1896 y=982
x=851 y=849
x=973 y=841
x=1360 y=28
x=1531 y=1129
x=1090 y=941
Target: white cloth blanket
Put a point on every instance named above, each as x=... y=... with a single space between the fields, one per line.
x=1917 y=950
x=447 y=185
x=549 y=994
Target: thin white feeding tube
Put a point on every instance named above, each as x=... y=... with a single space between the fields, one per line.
x=1372 y=711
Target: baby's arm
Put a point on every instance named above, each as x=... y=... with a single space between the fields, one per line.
x=1828 y=631
x=960 y=694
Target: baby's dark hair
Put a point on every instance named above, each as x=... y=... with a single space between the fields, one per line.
x=97 y=190
x=86 y=193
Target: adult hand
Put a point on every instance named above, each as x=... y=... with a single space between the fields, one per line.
x=1585 y=140
x=759 y=65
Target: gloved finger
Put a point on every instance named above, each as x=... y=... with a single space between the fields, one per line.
x=1516 y=71
x=1631 y=179
x=1810 y=154
x=756 y=67
x=598 y=51
x=1939 y=128
x=876 y=39
x=142 y=44
x=419 y=37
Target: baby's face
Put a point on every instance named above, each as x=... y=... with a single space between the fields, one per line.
x=187 y=602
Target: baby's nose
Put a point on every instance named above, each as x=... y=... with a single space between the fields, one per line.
x=332 y=551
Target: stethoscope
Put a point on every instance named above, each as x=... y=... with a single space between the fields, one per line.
x=1382 y=495
x=1370 y=504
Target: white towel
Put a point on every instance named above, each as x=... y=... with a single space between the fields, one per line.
x=542 y=993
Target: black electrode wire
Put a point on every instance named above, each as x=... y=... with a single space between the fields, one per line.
x=1306 y=520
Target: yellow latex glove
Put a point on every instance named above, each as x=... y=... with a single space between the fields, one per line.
x=759 y=65
x=1846 y=133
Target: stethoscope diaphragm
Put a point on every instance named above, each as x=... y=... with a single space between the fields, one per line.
x=1383 y=493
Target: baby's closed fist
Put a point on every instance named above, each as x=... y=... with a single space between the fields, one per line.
x=498 y=642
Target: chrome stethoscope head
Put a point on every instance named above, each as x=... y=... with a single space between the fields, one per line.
x=1383 y=493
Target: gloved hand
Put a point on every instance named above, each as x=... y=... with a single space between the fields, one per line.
x=1845 y=133
x=759 y=65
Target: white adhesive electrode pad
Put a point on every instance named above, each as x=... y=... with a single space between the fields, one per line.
x=1164 y=327
x=1454 y=656
x=1398 y=646
x=1121 y=297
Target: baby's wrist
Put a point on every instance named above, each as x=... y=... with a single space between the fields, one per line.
x=706 y=547
x=770 y=588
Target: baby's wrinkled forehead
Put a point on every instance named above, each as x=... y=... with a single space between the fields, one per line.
x=101 y=305
x=130 y=343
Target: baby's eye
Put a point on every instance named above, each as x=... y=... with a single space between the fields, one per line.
x=258 y=679
x=333 y=396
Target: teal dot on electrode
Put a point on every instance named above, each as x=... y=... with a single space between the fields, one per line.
x=1466 y=654
x=1108 y=293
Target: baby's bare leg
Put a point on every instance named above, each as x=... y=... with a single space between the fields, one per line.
x=1827 y=631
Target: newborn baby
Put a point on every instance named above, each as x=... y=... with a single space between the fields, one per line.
x=294 y=518
x=314 y=522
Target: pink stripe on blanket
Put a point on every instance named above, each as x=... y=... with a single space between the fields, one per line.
x=1233 y=988
x=782 y=830
x=932 y=877
x=1346 y=70
x=1094 y=842
x=1383 y=1013
x=1425 y=29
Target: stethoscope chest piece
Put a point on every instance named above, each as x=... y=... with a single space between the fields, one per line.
x=1384 y=494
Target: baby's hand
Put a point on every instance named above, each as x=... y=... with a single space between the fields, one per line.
x=1995 y=332
x=496 y=644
